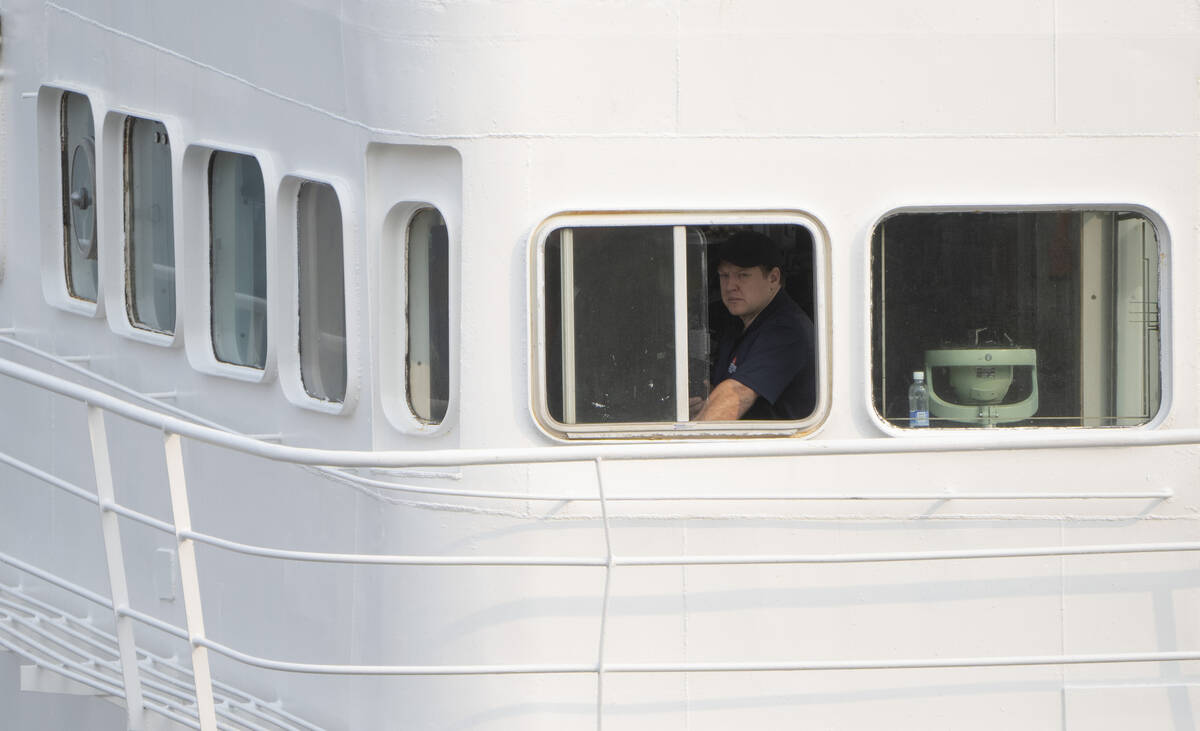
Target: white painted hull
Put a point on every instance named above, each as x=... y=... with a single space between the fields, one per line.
x=502 y=115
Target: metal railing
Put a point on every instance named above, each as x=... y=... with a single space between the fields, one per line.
x=175 y=428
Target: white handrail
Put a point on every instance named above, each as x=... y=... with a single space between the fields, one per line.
x=175 y=428
x=762 y=448
x=359 y=481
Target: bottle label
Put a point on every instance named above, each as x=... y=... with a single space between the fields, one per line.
x=918 y=418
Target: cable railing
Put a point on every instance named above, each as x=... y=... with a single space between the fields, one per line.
x=140 y=695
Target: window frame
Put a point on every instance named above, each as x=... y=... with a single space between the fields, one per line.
x=50 y=187
x=538 y=405
x=117 y=299
x=1164 y=320
x=194 y=259
x=212 y=258
x=66 y=174
x=392 y=323
x=145 y=333
x=289 y=361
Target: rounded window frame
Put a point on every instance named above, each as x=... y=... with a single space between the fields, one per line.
x=1165 y=323
x=393 y=255
x=537 y=400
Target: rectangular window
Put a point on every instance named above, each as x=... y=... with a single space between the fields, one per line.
x=322 y=292
x=78 y=147
x=428 y=361
x=239 y=259
x=149 y=227
x=641 y=324
x=1038 y=318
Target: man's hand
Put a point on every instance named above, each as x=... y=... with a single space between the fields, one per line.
x=728 y=401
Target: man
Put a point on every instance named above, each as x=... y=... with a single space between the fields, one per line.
x=765 y=366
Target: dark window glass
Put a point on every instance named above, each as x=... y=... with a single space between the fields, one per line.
x=1046 y=318
x=633 y=316
x=428 y=361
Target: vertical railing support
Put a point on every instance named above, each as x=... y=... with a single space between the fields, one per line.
x=608 y=570
x=111 y=529
x=190 y=580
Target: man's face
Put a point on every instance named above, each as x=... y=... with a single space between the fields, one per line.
x=746 y=290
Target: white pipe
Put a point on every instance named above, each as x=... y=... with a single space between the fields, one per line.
x=700 y=449
x=391 y=560
x=908 y=556
x=577 y=668
x=731 y=560
x=564 y=497
x=48 y=478
x=76 y=589
x=154 y=622
x=699 y=667
x=383 y=485
x=337 y=474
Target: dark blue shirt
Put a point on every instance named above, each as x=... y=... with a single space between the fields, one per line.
x=774 y=357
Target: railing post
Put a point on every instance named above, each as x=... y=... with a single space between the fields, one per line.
x=190 y=580
x=111 y=530
x=608 y=570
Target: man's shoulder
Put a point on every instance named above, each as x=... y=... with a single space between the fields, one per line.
x=788 y=316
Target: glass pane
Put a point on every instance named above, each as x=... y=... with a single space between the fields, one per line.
x=1045 y=318
x=322 y=292
x=239 y=259
x=611 y=342
x=149 y=226
x=610 y=325
x=428 y=362
x=79 y=196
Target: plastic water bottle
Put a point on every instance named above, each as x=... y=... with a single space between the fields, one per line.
x=918 y=401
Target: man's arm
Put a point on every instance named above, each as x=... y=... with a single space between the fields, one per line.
x=727 y=402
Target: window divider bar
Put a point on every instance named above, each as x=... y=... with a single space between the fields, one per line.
x=567 y=268
x=679 y=251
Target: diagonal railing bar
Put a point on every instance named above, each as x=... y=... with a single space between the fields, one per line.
x=604 y=606
x=162 y=693
x=115 y=559
x=82 y=673
x=190 y=580
x=65 y=623
x=60 y=627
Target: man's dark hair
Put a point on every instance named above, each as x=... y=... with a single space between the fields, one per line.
x=750 y=249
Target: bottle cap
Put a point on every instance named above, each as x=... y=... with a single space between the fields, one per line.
x=919 y=376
